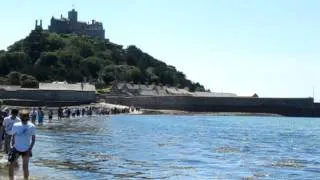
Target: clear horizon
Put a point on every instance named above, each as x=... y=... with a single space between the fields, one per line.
x=269 y=48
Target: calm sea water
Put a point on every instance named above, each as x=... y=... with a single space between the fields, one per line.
x=178 y=147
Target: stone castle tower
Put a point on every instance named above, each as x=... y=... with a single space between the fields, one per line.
x=38 y=26
x=72 y=25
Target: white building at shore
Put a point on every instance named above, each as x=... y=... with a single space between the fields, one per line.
x=67 y=86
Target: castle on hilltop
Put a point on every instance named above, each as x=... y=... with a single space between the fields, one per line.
x=72 y=25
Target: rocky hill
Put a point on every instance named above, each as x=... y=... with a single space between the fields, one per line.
x=46 y=57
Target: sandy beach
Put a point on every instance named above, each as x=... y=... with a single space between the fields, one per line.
x=18 y=170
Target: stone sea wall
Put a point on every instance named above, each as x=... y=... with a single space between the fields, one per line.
x=283 y=106
x=37 y=95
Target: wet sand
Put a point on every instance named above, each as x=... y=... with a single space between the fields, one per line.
x=4 y=168
x=18 y=172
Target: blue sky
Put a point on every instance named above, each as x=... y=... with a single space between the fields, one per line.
x=250 y=46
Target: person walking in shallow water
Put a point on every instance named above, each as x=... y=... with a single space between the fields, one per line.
x=50 y=114
x=83 y=111
x=33 y=116
x=8 y=123
x=60 y=113
x=23 y=139
x=40 y=116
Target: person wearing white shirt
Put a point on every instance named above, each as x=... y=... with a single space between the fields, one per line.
x=23 y=139
x=8 y=124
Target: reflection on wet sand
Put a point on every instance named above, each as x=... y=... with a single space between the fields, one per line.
x=226 y=150
x=66 y=164
x=99 y=156
x=288 y=163
x=72 y=127
x=4 y=169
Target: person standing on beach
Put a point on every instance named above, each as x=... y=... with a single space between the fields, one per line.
x=60 y=113
x=68 y=112
x=73 y=112
x=8 y=124
x=50 y=114
x=83 y=111
x=78 y=112
x=89 y=112
x=33 y=115
x=40 y=115
x=23 y=139
x=65 y=114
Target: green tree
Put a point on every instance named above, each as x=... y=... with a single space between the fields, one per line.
x=134 y=74
x=4 y=65
x=35 y=44
x=86 y=51
x=49 y=56
x=17 y=46
x=91 y=66
x=28 y=81
x=12 y=61
x=55 y=42
x=14 y=78
x=108 y=74
x=47 y=59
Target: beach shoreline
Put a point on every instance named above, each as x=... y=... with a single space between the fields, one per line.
x=179 y=112
x=159 y=111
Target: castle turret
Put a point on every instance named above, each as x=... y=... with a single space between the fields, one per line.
x=38 y=27
x=73 y=16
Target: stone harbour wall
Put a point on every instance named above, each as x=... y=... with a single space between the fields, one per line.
x=49 y=95
x=282 y=106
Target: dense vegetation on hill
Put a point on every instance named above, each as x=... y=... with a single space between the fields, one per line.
x=44 y=56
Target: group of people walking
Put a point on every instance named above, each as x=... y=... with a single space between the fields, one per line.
x=17 y=133
x=36 y=115
x=19 y=136
x=68 y=112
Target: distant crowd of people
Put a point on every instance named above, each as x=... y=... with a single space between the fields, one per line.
x=37 y=115
x=73 y=112
x=17 y=133
x=88 y=111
